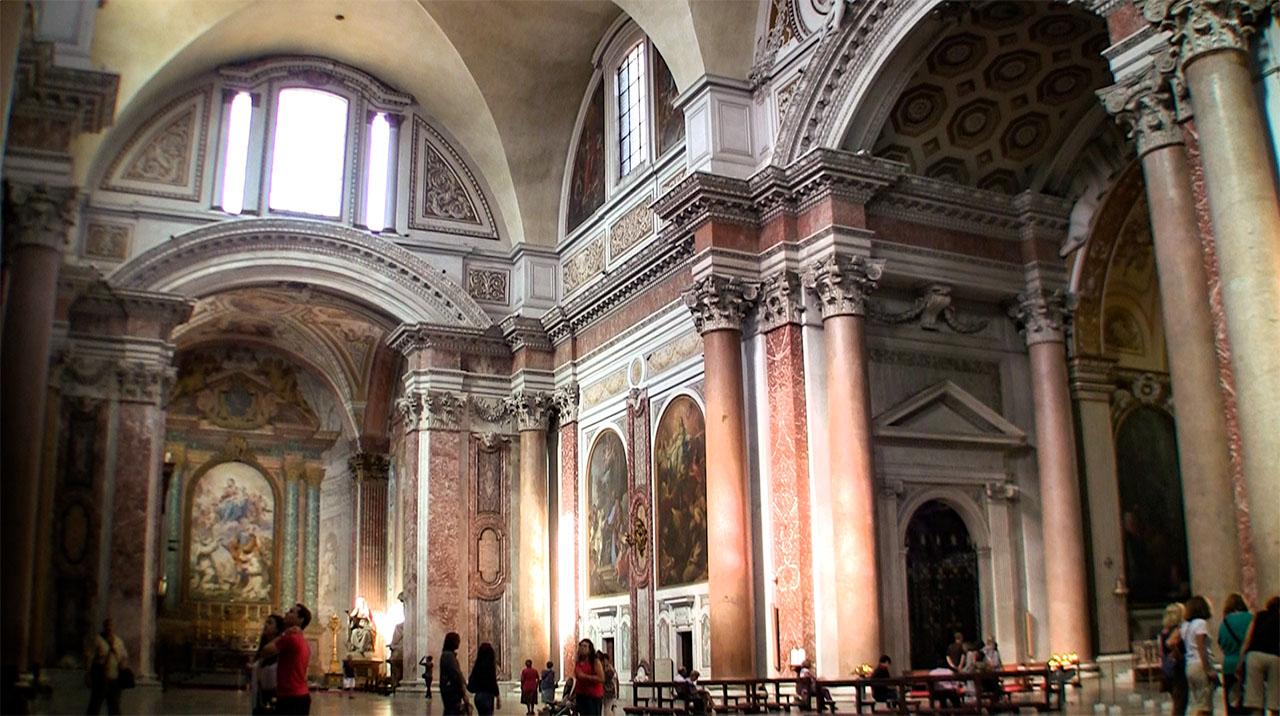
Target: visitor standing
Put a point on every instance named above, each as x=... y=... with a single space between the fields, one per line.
x=991 y=654
x=428 y=666
x=483 y=681
x=262 y=684
x=452 y=694
x=1236 y=619
x=1261 y=664
x=588 y=680
x=1202 y=677
x=610 y=691
x=104 y=658
x=547 y=683
x=955 y=652
x=1173 y=670
x=293 y=696
x=529 y=686
x=349 y=677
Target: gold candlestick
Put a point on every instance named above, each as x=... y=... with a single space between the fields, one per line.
x=333 y=652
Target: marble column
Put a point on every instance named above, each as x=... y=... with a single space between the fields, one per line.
x=842 y=285
x=1091 y=386
x=445 y=562
x=35 y=230
x=779 y=316
x=1145 y=104
x=370 y=472
x=533 y=411
x=289 y=548
x=410 y=479
x=1211 y=42
x=311 y=540
x=568 y=579
x=719 y=305
x=1041 y=318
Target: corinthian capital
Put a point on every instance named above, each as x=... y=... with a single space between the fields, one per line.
x=780 y=301
x=1200 y=26
x=1041 y=318
x=1144 y=106
x=369 y=466
x=720 y=303
x=566 y=402
x=843 y=283
x=39 y=215
x=441 y=410
x=532 y=409
x=410 y=407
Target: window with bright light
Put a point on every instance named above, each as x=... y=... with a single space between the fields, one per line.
x=237 y=158
x=632 y=125
x=376 y=177
x=309 y=152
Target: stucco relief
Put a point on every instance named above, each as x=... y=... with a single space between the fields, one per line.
x=487 y=284
x=630 y=229
x=583 y=266
x=107 y=241
x=444 y=194
x=165 y=157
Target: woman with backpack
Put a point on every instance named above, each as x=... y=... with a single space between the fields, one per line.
x=1173 y=659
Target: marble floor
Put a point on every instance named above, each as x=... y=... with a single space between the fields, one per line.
x=69 y=696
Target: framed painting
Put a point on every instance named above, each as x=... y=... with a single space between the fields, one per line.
x=607 y=515
x=586 y=184
x=231 y=535
x=680 y=482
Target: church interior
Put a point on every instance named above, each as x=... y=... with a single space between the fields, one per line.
x=729 y=334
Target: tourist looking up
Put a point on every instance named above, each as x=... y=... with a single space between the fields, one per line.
x=293 y=696
x=262 y=685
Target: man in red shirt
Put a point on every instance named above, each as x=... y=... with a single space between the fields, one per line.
x=293 y=696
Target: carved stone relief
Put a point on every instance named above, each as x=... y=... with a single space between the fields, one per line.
x=165 y=157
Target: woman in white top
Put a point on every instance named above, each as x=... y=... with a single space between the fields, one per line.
x=1202 y=675
x=262 y=688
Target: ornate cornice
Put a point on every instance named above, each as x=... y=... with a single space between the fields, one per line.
x=1143 y=104
x=525 y=333
x=108 y=378
x=532 y=409
x=410 y=338
x=162 y=312
x=1201 y=26
x=1092 y=377
x=38 y=215
x=566 y=401
x=1043 y=318
x=369 y=466
x=947 y=205
x=842 y=283
x=704 y=197
x=932 y=304
x=53 y=105
x=781 y=301
x=720 y=303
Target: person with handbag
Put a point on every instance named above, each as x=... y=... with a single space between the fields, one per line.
x=1236 y=619
x=104 y=668
x=1173 y=671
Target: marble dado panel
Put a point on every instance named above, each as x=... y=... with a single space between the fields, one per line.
x=583 y=266
x=631 y=228
x=898 y=374
x=613 y=384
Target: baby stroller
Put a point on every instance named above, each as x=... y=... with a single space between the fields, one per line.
x=563 y=707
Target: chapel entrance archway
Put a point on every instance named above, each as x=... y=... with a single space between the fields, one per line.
x=942 y=582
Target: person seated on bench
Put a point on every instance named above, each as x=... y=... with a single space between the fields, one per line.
x=945 y=692
x=683 y=689
x=700 y=696
x=807 y=687
x=883 y=694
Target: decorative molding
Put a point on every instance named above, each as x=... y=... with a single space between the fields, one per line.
x=490 y=285
x=165 y=156
x=107 y=241
x=444 y=194
x=369 y=466
x=1092 y=377
x=1197 y=27
x=442 y=410
x=112 y=378
x=781 y=301
x=53 y=105
x=584 y=266
x=983 y=427
x=532 y=409
x=38 y=215
x=631 y=228
x=1043 y=318
x=1143 y=104
x=720 y=303
x=605 y=388
x=673 y=353
x=947 y=205
x=317 y=72
x=525 y=333
x=843 y=283
x=933 y=303
x=1133 y=389
x=411 y=338
x=495 y=411
x=410 y=407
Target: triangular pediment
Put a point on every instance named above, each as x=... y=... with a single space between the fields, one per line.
x=945 y=412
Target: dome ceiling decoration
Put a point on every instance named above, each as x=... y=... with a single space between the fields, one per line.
x=998 y=94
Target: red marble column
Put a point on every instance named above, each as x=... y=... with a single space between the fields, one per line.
x=1066 y=578
x=788 y=456
x=370 y=471
x=35 y=232
x=719 y=305
x=532 y=411
x=842 y=285
x=568 y=582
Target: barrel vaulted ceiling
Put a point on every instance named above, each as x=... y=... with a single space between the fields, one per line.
x=505 y=77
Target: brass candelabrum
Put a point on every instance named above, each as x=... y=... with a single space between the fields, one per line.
x=333 y=650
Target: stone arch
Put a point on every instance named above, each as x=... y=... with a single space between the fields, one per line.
x=239 y=253
x=974 y=519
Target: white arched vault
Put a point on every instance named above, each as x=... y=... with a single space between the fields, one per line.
x=253 y=252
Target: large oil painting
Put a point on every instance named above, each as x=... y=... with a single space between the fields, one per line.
x=1155 y=538
x=680 y=464
x=586 y=187
x=231 y=541
x=670 y=120
x=607 y=515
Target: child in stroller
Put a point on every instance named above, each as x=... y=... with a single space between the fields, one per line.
x=565 y=706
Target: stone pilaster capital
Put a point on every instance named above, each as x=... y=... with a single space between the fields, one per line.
x=1202 y=26
x=780 y=301
x=441 y=410
x=410 y=407
x=566 y=402
x=532 y=409
x=720 y=303
x=843 y=283
x=141 y=382
x=39 y=215
x=112 y=378
x=1144 y=105
x=369 y=466
x=314 y=475
x=1043 y=318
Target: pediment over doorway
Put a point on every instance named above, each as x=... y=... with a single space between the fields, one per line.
x=945 y=413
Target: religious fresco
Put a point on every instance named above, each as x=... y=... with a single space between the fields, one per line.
x=670 y=121
x=586 y=187
x=231 y=537
x=607 y=515
x=680 y=466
